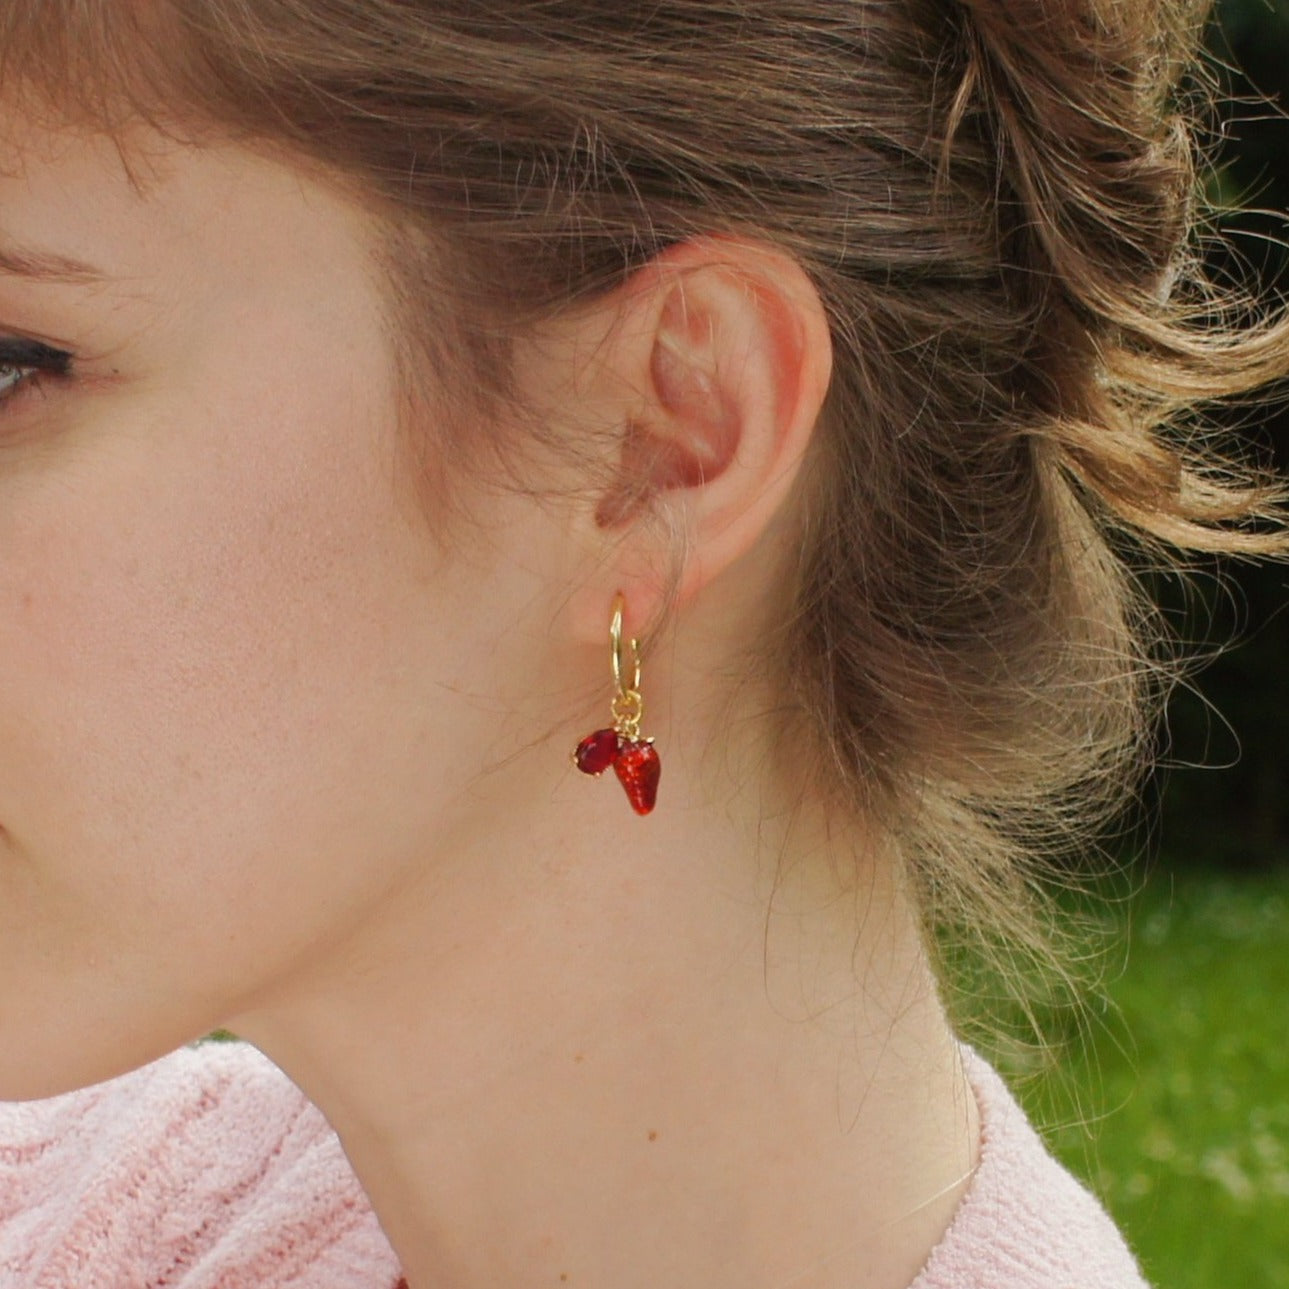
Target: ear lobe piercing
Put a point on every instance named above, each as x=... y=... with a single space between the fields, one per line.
x=634 y=759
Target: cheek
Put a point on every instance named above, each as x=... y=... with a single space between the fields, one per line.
x=202 y=645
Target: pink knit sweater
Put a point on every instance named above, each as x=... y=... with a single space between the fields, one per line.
x=209 y=1170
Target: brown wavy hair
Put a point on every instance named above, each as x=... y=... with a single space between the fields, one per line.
x=1000 y=202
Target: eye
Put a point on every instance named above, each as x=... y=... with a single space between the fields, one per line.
x=24 y=362
x=12 y=377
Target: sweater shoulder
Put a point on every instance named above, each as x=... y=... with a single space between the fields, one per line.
x=1025 y=1221
x=205 y=1168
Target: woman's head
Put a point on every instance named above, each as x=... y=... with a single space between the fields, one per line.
x=251 y=698
x=989 y=204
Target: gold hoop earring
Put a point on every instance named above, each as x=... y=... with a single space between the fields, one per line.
x=634 y=759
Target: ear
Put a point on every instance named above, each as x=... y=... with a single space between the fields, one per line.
x=723 y=353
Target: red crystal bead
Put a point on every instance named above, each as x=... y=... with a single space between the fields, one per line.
x=596 y=752
x=639 y=769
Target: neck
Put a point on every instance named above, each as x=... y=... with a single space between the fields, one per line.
x=574 y=1047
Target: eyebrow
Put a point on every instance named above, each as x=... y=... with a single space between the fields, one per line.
x=44 y=266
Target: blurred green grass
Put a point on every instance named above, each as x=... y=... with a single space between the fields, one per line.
x=1176 y=1108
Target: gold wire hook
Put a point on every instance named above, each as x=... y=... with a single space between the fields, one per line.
x=615 y=639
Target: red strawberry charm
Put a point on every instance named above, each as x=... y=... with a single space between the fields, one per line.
x=638 y=768
x=596 y=752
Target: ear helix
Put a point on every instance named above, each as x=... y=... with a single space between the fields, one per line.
x=634 y=759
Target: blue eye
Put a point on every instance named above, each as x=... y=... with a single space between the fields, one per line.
x=23 y=362
x=12 y=377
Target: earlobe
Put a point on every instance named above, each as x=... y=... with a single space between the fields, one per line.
x=733 y=365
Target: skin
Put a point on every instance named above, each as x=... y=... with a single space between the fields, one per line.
x=274 y=758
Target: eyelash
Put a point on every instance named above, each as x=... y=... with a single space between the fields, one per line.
x=24 y=362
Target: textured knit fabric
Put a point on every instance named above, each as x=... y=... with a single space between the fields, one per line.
x=205 y=1170
x=209 y=1170
x=1024 y=1223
